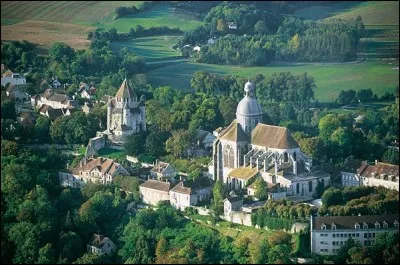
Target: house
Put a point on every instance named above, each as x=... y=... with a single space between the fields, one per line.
x=26 y=119
x=348 y=172
x=232 y=25
x=153 y=191
x=55 y=83
x=212 y=41
x=54 y=100
x=232 y=204
x=48 y=111
x=196 y=48
x=83 y=86
x=15 y=92
x=105 y=99
x=190 y=192
x=87 y=107
x=163 y=170
x=100 y=244
x=329 y=233
x=204 y=139
x=12 y=78
x=380 y=174
x=89 y=94
x=95 y=170
x=275 y=192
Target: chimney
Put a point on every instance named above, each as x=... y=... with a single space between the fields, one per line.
x=376 y=161
x=148 y=177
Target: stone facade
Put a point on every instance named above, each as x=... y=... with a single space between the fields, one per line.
x=154 y=191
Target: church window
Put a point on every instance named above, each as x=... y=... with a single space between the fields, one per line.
x=228 y=157
x=285 y=157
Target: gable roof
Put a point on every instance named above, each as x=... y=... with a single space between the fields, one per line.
x=98 y=240
x=54 y=113
x=157 y=185
x=273 y=137
x=349 y=222
x=191 y=186
x=58 y=98
x=7 y=73
x=125 y=91
x=105 y=166
x=233 y=199
x=380 y=168
x=234 y=132
x=160 y=167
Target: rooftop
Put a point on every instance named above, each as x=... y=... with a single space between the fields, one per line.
x=349 y=222
x=380 y=168
x=243 y=173
x=273 y=137
x=157 y=185
x=234 y=132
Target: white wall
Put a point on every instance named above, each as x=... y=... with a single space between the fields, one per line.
x=152 y=196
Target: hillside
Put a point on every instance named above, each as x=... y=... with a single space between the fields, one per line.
x=44 y=22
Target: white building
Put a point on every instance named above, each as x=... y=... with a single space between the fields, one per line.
x=12 y=78
x=196 y=48
x=232 y=25
x=125 y=114
x=89 y=93
x=190 y=192
x=349 y=172
x=52 y=99
x=248 y=147
x=100 y=244
x=274 y=191
x=153 y=191
x=329 y=233
x=232 y=204
x=380 y=174
x=163 y=171
x=95 y=170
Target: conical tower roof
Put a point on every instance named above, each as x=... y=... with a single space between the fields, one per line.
x=125 y=91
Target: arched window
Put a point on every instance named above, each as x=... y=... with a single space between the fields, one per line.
x=310 y=186
x=297 y=188
x=228 y=157
x=285 y=157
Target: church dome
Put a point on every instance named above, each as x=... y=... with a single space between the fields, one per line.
x=249 y=106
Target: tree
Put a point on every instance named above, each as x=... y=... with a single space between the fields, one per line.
x=93 y=258
x=158 y=116
x=134 y=144
x=60 y=50
x=342 y=254
x=365 y=95
x=347 y=97
x=261 y=27
x=259 y=252
x=42 y=129
x=154 y=146
x=241 y=250
x=8 y=110
x=391 y=156
x=332 y=196
x=222 y=26
x=218 y=197
x=279 y=254
x=8 y=148
x=312 y=146
x=69 y=247
x=46 y=255
x=327 y=125
x=227 y=107
x=260 y=189
x=179 y=143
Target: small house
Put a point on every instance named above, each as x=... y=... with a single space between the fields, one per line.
x=100 y=244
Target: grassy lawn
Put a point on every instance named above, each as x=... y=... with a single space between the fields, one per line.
x=150 y=47
x=111 y=153
x=330 y=79
x=160 y=15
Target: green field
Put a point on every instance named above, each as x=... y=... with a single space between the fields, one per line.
x=371 y=12
x=160 y=15
x=330 y=79
x=111 y=153
x=154 y=47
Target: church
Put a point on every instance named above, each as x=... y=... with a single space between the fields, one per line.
x=125 y=114
x=247 y=148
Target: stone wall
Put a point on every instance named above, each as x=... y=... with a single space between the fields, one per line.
x=95 y=144
x=238 y=217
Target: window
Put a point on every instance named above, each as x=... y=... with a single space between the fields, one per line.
x=365 y=235
x=365 y=225
x=385 y=225
x=377 y=225
x=333 y=226
x=333 y=235
x=297 y=188
x=323 y=226
x=285 y=157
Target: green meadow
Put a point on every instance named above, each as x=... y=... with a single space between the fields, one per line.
x=330 y=79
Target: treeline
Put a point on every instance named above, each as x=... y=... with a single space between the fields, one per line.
x=236 y=50
x=363 y=95
x=137 y=32
x=192 y=9
x=267 y=35
x=359 y=200
x=122 y=11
